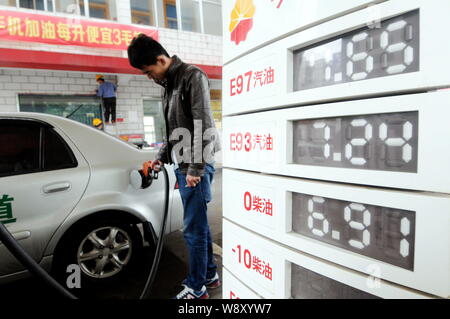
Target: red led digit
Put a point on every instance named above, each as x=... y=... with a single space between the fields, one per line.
x=248 y=201
x=249 y=77
x=239 y=141
x=240 y=84
x=247 y=259
x=248 y=142
x=239 y=253
x=232 y=141
x=232 y=87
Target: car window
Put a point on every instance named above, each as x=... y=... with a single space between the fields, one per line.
x=57 y=154
x=19 y=147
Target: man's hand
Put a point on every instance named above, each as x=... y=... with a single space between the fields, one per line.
x=192 y=181
x=156 y=165
x=145 y=167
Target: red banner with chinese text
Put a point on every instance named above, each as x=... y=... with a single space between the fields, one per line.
x=19 y=26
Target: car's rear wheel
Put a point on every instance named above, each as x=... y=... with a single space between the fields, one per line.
x=105 y=252
x=108 y=252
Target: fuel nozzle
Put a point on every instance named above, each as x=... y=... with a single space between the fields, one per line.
x=139 y=180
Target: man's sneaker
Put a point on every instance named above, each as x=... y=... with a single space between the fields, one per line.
x=189 y=293
x=213 y=282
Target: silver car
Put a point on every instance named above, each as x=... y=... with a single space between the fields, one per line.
x=65 y=195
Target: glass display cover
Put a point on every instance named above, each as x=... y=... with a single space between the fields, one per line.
x=307 y=284
x=387 y=142
x=370 y=52
x=382 y=233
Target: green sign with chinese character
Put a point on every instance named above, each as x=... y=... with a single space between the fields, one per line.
x=6 y=213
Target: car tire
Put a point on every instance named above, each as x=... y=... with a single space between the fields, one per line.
x=105 y=252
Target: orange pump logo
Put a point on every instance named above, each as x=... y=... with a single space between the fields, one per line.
x=241 y=20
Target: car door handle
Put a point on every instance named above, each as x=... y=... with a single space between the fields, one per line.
x=56 y=187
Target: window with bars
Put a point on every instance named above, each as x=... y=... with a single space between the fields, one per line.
x=142 y=12
x=11 y=3
x=101 y=9
x=188 y=15
x=212 y=17
x=170 y=14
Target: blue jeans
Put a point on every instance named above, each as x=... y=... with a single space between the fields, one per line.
x=196 y=229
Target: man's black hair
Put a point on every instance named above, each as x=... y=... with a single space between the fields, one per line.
x=144 y=50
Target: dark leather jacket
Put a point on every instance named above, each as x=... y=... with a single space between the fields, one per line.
x=190 y=127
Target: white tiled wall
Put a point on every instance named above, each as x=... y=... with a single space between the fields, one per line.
x=131 y=91
x=130 y=94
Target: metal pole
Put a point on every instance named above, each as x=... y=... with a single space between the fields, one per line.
x=155 y=12
x=178 y=7
x=202 y=24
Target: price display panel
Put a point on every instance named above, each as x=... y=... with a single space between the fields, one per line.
x=356 y=227
x=348 y=58
x=385 y=142
x=398 y=142
x=275 y=271
x=367 y=53
x=307 y=284
x=383 y=233
x=251 y=23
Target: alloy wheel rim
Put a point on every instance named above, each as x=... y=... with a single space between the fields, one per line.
x=104 y=252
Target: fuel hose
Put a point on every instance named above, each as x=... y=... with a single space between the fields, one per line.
x=33 y=267
x=152 y=275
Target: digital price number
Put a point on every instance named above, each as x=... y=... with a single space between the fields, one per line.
x=386 y=142
x=360 y=55
x=382 y=233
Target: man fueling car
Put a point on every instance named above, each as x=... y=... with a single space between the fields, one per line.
x=187 y=113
